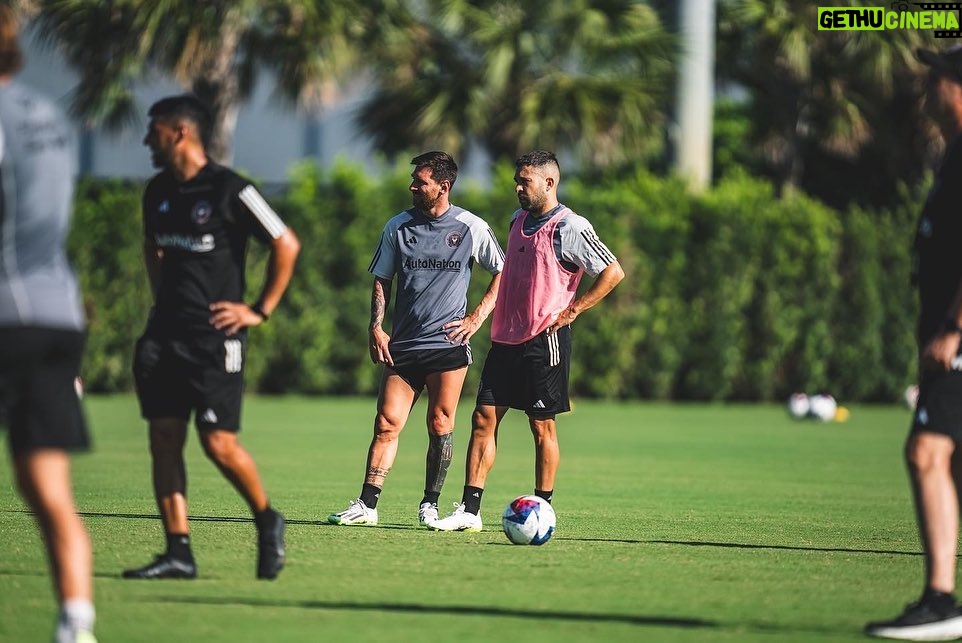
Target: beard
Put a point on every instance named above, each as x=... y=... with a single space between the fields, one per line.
x=424 y=202
x=159 y=159
x=531 y=204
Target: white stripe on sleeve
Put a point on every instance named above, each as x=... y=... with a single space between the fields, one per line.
x=593 y=242
x=263 y=212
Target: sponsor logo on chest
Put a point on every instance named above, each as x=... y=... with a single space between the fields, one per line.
x=190 y=243
x=429 y=263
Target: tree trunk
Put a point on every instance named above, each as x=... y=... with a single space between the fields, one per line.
x=223 y=98
x=218 y=85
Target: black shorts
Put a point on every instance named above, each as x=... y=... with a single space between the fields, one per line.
x=202 y=374
x=414 y=366
x=532 y=376
x=38 y=398
x=939 y=408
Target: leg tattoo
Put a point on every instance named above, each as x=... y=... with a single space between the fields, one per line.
x=376 y=476
x=440 y=449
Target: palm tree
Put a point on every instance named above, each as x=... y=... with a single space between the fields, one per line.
x=213 y=48
x=590 y=76
x=812 y=92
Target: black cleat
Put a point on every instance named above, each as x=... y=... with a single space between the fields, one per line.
x=164 y=566
x=270 y=545
x=936 y=617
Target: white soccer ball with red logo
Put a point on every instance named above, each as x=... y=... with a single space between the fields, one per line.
x=528 y=520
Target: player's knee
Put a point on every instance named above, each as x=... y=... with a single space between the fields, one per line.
x=218 y=445
x=387 y=427
x=484 y=421
x=440 y=422
x=542 y=429
x=924 y=454
x=167 y=438
x=46 y=500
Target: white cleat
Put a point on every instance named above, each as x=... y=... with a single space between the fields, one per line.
x=427 y=513
x=357 y=513
x=459 y=520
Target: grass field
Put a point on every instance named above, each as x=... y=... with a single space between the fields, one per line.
x=675 y=523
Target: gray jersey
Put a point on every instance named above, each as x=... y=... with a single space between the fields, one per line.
x=432 y=259
x=37 y=286
x=576 y=243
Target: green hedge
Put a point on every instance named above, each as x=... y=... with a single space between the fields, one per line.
x=731 y=295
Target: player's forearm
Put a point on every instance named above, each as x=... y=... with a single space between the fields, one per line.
x=486 y=305
x=380 y=292
x=152 y=259
x=605 y=282
x=280 y=269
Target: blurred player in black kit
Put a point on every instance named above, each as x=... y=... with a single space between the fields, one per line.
x=931 y=450
x=198 y=218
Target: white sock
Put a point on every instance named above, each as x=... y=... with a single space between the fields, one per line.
x=76 y=615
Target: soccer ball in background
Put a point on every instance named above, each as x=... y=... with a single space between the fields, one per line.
x=823 y=407
x=799 y=405
x=528 y=520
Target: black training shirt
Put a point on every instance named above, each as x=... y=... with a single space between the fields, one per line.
x=202 y=226
x=938 y=245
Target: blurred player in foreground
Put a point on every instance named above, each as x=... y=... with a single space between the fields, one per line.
x=931 y=450
x=42 y=330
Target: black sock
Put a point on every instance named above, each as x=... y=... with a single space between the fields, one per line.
x=940 y=600
x=262 y=518
x=544 y=494
x=472 y=499
x=431 y=496
x=178 y=546
x=370 y=494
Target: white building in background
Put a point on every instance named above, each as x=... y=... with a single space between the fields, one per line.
x=270 y=137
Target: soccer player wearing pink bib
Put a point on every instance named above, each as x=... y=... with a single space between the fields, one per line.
x=549 y=249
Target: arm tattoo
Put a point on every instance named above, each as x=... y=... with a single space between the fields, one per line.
x=379 y=295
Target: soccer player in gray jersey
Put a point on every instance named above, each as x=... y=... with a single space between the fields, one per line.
x=42 y=330
x=431 y=248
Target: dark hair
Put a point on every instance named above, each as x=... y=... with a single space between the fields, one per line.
x=443 y=167
x=946 y=63
x=186 y=107
x=537 y=158
x=11 y=55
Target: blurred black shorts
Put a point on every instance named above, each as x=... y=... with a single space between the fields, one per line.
x=939 y=408
x=39 y=401
x=203 y=375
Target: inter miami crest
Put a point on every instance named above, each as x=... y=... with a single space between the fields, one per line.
x=454 y=239
x=200 y=213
